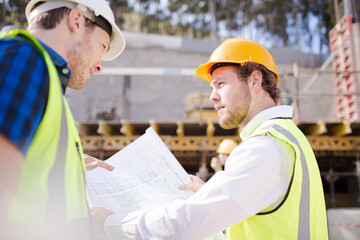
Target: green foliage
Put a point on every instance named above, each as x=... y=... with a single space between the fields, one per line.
x=15 y=12
x=284 y=23
x=288 y=22
x=120 y=8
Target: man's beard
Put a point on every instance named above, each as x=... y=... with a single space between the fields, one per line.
x=236 y=115
x=234 y=119
x=77 y=58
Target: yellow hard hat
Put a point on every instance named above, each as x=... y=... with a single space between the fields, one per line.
x=226 y=146
x=238 y=50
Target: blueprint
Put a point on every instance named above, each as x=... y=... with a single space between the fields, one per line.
x=146 y=175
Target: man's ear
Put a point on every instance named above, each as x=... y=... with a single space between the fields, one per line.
x=76 y=20
x=255 y=80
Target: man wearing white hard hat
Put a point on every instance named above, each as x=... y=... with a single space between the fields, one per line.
x=42 y=191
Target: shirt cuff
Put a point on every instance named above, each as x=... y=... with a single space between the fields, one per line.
x=123 y=225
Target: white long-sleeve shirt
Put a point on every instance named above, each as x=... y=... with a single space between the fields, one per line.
x=257 y=174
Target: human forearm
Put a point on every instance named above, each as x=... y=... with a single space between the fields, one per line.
x=195 y=218
x=11 y=160
x=159 y=223
x=10 y=167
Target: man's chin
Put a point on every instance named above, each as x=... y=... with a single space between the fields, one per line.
x=78 y=85
x=227 y=124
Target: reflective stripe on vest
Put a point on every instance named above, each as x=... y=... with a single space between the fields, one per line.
x=302 y=214
x=51 y=190
x=304 y=210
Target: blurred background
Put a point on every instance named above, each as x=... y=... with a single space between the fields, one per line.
x=315 y=44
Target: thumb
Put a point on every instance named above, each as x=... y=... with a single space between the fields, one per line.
x=185 y=187
x=91 y=166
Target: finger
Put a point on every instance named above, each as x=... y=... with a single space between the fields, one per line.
x=91 y=166
x=197 y=180
x=194 y=178
x=185 y=187
x=106 y=166
x=88 y=159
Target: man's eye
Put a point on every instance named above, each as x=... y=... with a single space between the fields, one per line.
x=105 y=47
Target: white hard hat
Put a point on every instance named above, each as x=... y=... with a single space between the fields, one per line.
x=96 y=10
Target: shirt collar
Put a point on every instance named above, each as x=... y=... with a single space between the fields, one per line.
x=60 y=63
x=283 y=111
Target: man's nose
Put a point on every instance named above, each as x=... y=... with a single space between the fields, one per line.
x=214 y=97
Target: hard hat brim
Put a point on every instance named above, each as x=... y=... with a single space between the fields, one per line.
x=203 y=71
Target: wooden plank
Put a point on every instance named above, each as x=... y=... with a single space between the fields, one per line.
x=210 y=129
x=105 y=129
x=180 y=128
x=155 y=126
x=340 y=129
x=127 y=129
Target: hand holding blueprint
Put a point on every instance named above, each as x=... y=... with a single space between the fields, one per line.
x=146 y=176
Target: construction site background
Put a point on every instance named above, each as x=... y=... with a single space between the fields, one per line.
x=153 y=83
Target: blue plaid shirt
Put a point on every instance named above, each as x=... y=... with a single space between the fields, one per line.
x=24 y=87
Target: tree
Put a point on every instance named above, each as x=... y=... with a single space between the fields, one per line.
x=289 y=21
x=324 y=12
x=283 y=23
x=16 y=14
x=120 y=8
x=190 y=17
x=3 y=13
x=13 y=12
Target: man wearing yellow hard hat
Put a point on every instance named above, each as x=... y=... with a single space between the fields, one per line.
x=270 y=187
x=226 y=146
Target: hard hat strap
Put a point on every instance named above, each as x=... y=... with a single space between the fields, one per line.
x=105 y=25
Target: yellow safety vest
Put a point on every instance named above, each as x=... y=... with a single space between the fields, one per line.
x=302 y=212
x=50 y=197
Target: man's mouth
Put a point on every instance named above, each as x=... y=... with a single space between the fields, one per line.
x=219 y=108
